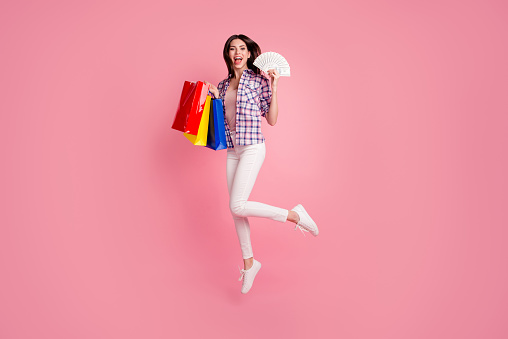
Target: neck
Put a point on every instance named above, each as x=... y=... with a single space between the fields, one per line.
x=239 y=71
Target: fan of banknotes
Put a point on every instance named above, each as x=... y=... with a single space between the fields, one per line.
x=272 y=60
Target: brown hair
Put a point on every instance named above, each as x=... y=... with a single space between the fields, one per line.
x=251 y=46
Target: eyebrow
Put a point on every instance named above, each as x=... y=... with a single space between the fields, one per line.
x=237 y=46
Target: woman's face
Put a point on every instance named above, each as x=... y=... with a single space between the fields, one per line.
x=238 y=53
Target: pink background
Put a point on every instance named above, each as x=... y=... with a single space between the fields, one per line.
x=392 y=132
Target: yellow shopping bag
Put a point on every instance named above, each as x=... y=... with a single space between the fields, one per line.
x=200 y=139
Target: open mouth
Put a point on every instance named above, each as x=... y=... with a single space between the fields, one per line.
x=238 y=60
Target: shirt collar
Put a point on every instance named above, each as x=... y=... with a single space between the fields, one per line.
x=248 y=70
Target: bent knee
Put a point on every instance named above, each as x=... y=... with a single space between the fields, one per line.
x=237 y=208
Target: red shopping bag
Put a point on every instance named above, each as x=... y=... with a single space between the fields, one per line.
x=190 y=109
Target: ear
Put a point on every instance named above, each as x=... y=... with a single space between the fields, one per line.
x=248 y=56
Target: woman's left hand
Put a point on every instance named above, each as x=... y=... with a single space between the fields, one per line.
x=274 y=77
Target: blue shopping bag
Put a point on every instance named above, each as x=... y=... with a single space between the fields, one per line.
x=216 y=139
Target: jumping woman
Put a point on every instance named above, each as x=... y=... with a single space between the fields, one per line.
x=247 y=96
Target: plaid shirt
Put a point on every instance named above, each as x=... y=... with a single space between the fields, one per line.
x=252 y=102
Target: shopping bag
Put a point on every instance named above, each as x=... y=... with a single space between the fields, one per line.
x=190 y=108
x=216 y=127
x=201 y=137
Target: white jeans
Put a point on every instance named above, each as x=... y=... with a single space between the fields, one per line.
x=243 y=165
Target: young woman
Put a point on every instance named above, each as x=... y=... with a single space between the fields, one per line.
x=247 y=96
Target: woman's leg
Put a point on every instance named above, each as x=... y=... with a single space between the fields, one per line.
x=251 y=159
x=241 y=223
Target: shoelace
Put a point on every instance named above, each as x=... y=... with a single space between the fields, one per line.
x=301 y=229
x=242 y=272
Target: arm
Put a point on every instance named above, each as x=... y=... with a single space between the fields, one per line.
x=273 y=112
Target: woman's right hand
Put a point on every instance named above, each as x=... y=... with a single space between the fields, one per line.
x=213 y=89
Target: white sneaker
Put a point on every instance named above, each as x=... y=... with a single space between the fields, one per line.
x=249 y=275
x=306 y=223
